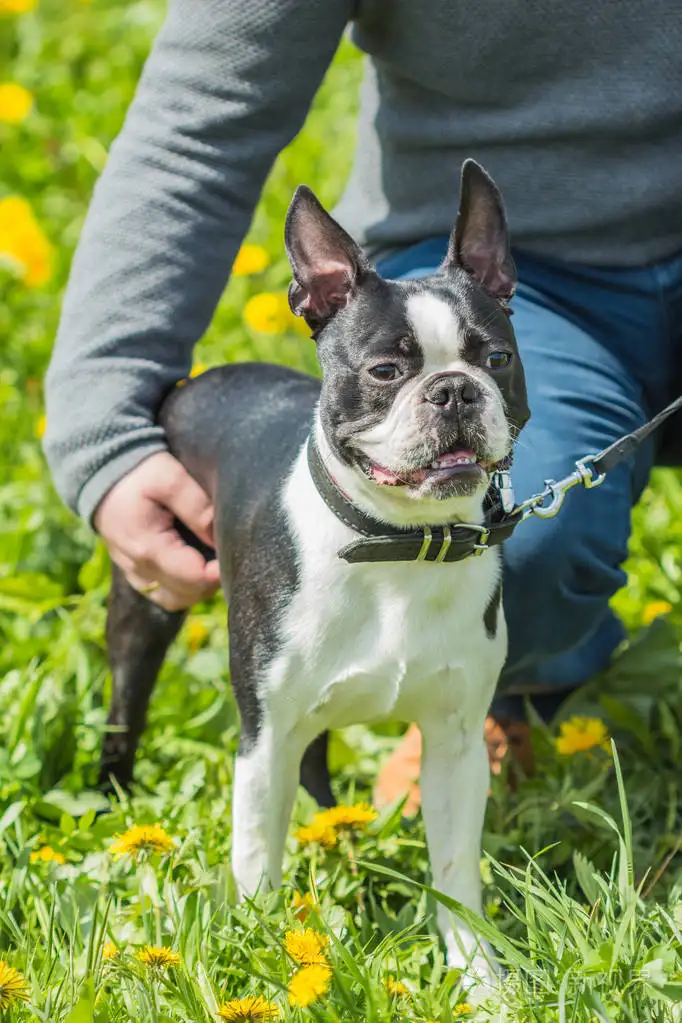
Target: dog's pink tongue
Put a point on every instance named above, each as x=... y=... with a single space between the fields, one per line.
x=382 y=475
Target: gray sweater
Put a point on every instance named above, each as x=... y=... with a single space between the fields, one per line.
x=575 y=107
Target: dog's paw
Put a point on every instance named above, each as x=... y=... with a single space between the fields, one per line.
x=481 y=976
x=475 y=961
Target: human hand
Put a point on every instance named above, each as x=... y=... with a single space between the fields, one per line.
x=135 y=520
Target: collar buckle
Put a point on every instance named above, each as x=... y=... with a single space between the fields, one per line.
x=482 y=544
x=426 y=543
x=445 y=544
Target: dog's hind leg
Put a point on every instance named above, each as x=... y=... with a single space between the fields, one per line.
x=315 y=771
x=138 y=636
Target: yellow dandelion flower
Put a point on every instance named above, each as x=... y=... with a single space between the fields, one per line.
x=396 y=987
x=16 y=6
x=307 y=947
x=302 y=905
x=13 y=986
x=309 y=984
x=41 y=426
x=158 y=958
x=268 y=313
x=351 y=817
x=325 y=825
x=654 y=609
x=47 y=854
x=197 y=369
x=22 y=242
x=317 y=834
x=581 y=734
x=150 y=838
x=463 y=1009
x=109 y=951
x=251 y=259
x=253 y=1009
x=196 y=633
x=16 y=103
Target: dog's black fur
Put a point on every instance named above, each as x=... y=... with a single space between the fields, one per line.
x=273 y=407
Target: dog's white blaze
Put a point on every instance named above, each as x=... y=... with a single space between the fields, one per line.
x=438 y=332
x=372 y=642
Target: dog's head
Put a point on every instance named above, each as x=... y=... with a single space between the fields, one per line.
x=423 y=390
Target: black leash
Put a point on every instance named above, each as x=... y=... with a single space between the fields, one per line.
x=592 y=470
x=456 y=541
x=627 y=445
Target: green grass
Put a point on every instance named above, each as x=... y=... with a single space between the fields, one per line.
x=582 y=877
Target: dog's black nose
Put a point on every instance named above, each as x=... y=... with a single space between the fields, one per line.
x=450 y=391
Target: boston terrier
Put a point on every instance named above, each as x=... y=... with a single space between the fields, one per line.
x=361 y=569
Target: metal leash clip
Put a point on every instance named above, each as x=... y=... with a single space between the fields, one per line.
x=502 y=481
x=584 y=473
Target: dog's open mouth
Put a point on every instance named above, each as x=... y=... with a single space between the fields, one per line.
x=462 y=462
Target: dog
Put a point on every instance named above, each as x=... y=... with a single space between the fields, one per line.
x=337 y=507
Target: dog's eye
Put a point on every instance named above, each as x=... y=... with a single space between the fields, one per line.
x=498 y=360
x=385 y=372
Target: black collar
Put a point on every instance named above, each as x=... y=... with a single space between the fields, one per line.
x=446 y=543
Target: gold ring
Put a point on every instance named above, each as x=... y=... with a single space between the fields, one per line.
x=150 y=588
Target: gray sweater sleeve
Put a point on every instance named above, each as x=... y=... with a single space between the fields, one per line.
x=227 y=86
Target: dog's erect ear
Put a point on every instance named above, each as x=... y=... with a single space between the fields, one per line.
x=327 y=264
x=480 y=241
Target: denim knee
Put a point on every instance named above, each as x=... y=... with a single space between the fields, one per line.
x=558 y=579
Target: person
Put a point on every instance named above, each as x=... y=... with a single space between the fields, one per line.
x=576 y=111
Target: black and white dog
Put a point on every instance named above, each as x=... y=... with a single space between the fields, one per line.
x=344 y=514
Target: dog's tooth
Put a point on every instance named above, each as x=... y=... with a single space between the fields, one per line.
x=447 y=460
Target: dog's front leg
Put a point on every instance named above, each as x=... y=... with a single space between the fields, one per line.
x=265 y=783
x=454 y=786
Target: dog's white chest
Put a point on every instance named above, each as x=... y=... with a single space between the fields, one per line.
x=371 y=642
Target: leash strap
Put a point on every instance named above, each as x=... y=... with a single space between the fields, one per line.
x=591 y=471
x=626 y=446
x=459 y=540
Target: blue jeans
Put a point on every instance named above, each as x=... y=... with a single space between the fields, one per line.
x=601 y=349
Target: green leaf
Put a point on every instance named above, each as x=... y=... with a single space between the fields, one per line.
x=30 y=594
x=594 y=962
x=57 y=802
x=95 y=573
x=11 y=814
x=585 y=872
x=83 y=1010
x=67 y=824
x=627 y=719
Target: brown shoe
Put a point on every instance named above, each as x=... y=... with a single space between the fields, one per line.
x=517 y=742
x=399 y=776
